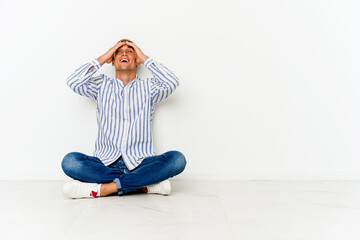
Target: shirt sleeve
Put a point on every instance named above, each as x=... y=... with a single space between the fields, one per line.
x=164 y=81
x=82 y=81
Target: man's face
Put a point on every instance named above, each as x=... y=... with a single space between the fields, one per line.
x=125 y=59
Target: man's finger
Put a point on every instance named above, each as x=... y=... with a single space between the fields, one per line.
x=140 y=56
x=119 y=44
x=136 y=48
x=116 y=47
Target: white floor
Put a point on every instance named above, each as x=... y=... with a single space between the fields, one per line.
x=249 y=210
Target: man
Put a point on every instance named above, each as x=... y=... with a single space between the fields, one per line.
x=124 y=158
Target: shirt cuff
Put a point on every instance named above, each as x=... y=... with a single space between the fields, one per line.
x=95 y=63
x=147 y=62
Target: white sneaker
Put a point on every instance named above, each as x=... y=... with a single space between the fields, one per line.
x=163 y=188
x=77 y=189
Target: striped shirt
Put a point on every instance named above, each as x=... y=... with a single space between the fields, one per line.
x=124 y=113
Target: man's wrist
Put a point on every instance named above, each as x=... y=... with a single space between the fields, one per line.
x=143 y=59
x=147 y=61
x=101 y=60
x=95 y=64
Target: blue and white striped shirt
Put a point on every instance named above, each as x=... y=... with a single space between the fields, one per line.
x=124 y=113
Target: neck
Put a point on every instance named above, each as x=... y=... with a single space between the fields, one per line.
x=125 y=76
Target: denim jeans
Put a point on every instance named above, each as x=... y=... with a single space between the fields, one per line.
x=151 y=170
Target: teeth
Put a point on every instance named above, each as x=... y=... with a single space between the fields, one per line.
x=124 y=60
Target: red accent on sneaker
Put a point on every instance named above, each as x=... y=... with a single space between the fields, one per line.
x=145 y=189
x=94 y=194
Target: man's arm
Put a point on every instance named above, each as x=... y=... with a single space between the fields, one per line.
x=82 y=82
x=164 y=82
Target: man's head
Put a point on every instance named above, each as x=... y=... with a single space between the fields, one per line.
x=124 y=57
x=125 y=40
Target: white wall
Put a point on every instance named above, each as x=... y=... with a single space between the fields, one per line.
x=269 y=89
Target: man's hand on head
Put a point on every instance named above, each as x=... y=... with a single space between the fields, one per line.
x=109 y=55
x=140 y=56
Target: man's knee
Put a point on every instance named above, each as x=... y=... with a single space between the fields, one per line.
x=178 y=161
x=70 y=163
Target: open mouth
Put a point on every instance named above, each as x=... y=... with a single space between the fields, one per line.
x=124 y=60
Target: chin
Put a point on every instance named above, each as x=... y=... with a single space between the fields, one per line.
x=125 y=69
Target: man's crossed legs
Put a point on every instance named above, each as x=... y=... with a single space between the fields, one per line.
x=93 y=178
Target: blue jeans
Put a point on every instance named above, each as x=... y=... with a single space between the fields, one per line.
x=151 y=170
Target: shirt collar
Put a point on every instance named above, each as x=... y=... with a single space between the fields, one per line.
x=129 y=83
